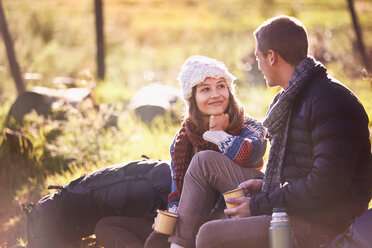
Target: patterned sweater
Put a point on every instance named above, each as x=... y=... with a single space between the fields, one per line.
x=246 y=149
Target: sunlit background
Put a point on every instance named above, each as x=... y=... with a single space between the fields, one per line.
x=146 y=42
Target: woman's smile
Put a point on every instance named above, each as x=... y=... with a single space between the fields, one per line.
x=216 y=103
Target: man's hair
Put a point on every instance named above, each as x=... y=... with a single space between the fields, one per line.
x=285 y=35
x=234 y=109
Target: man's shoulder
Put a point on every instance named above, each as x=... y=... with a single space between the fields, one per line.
x=326 y=84
x=331 y=90
x=329 y=96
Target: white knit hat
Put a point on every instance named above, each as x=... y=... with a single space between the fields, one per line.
x=197 y=68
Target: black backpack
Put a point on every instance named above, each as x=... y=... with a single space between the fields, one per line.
x=135 y=189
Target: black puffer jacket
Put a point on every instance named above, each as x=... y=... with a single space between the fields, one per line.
x=328 y=164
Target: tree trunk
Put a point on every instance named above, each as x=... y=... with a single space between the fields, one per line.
x=13 y=64
x=100 y=39
x=359 y=35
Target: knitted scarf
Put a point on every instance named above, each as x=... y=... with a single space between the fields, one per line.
x=190 y=136
x=277 y=122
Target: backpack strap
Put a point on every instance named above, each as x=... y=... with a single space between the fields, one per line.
x=58 y=187
x=27 y=209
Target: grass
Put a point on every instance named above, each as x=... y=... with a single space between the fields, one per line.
x=146 y=41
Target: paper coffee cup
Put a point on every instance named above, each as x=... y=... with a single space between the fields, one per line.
x=235 y=193
x=165 y=222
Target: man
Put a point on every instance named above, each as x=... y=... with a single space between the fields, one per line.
x=319 y=166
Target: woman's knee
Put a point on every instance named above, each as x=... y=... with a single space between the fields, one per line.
x=207 y=154
x=202 y=160
x=102 y=225
x=105 y=225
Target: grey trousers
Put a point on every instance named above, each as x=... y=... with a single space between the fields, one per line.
x=252 y=232
x=209 y=172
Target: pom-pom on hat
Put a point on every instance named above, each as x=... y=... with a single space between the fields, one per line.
x=197 y=68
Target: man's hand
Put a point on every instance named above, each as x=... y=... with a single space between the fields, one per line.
x=251 y=186
x=219 y=122
x=243 y=210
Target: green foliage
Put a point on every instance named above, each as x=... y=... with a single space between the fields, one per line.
x=113 y=93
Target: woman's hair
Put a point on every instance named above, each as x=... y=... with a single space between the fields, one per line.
x=233 y=109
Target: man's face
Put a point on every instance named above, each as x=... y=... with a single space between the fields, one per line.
x=265 y=67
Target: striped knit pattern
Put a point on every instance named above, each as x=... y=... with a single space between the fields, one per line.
x=226 y=144
x=245 y=148
x=173 y=198
x=243 y=158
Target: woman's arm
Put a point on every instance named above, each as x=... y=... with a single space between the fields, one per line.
x=173 y=197
x=247 y=148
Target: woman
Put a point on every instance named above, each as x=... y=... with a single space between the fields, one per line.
x=215 y=122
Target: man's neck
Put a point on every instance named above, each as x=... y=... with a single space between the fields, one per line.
x=286 y=74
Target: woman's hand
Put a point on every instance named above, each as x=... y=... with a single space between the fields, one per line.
x=219 y=122
x=153 y=225
x=243 y=210
x=251 y=186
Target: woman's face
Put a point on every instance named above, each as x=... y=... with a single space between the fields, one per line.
x=212 y=97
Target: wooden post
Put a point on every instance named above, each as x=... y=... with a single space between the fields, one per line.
x=100 y=39
x=13 y=64
x=358 y=33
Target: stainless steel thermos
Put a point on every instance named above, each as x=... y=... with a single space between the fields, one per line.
x=280 y=231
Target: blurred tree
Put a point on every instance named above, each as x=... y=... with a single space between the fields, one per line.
x=100 y=39
x=359 y=36
x=13 y=64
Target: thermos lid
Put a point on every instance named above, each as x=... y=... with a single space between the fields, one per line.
x=279 y=215
x=277 y=210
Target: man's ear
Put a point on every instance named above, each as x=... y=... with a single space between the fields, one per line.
x=273 y=57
